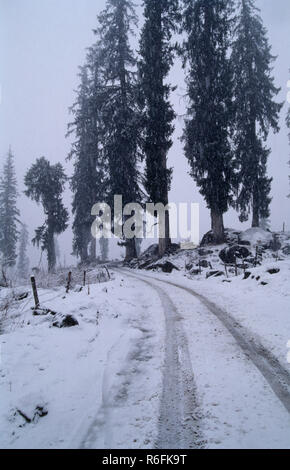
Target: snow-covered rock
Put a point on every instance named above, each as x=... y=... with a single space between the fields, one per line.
x=257 y=236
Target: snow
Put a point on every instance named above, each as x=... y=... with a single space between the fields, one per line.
x=256 y=236
x=237 y=405
x=83 y=375
x=146 y=349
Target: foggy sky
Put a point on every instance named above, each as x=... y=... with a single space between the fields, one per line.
x=42 y=43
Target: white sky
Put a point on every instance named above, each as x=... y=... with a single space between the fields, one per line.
x=42 y=43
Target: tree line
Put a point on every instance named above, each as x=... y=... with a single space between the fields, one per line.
x=123 y=119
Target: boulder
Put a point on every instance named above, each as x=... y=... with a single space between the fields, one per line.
x=286 y=250
x=273 y=271
x=228 y=255
x=257 y=236
x=207 y=239
x=195 y=272
x=146 y=264
x=42 y=311
x=204 y=252
x=275 y=244
x=67 y=321
x=21 y=296
x=172 y=249
x=214 y=274
x=204 y=264
x=247 y=275
x=189 y=266
x=244 y=243
x=151 y=252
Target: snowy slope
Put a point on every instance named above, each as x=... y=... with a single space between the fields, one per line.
x=90 y=379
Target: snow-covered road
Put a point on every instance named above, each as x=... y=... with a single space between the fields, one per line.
x=239 y=393
x=179 y=423
x=157 y=361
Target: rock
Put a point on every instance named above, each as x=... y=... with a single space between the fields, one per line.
x=244 y=243
x=275 y=244
x=203 y=252
x=286 y=250
x=263 y=283
x=165 y=267
x=231 y=236
x=273 y=271
x=195 y=272
x=151 y=252
x=145 y=265
x=208 y=239
x=67 y=321
x=168 y=267
x=172 y=249
x=42 y=311
x=214 y=274
x=204 y=264
x=243 y=266
x=189 y=267
x=228 y=255
x=247 y=275
x=257 y=236
x=20 y=297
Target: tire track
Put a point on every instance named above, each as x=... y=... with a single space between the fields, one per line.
x=180 y=419
x=269 y=366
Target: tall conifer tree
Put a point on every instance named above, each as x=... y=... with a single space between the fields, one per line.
x=45 y=185
x=157 y=53
x=256 y=112
x=8 y=213
x=23 y=260
x=120 y=111
x=207 y=25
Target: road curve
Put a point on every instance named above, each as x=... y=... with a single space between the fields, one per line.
x=179 y=420
x=272 y=370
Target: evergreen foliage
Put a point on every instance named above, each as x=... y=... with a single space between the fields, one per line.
x=8 y=213
x=45 y=185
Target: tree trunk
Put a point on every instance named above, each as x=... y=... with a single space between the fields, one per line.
x=93 y=250
x=256 y=216
x=217 y=226
x=131 y=251
x=84 y=249
x=51 y=255
x=165 y=242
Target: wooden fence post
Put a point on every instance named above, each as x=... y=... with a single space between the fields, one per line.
x=236 y=267
x=108 y=272
x=85 y=275
x=226 y=270
x=34 y=290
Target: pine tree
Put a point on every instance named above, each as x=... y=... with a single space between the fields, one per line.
x=45 y=185
x=255 y=111
x=89 y=180
x=23 y=260
x=208 y=25
x=8 y=213
x=157 y=53
x=120 y=111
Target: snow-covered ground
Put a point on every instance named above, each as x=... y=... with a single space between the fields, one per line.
x=158 y=360
x=98 y=382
